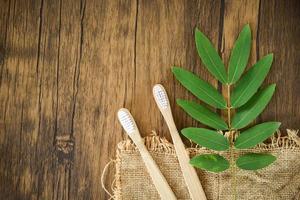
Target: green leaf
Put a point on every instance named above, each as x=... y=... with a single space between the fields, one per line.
x=251 y=81
x=202 y=114
x=210 y=162
x=239 y=55
x=255 y=135
x=206 y=138
x=254 y=161
x=199 y=88
x=210 y=56
x=248 y=112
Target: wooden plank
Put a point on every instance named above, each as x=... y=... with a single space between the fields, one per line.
x=279 y=33
x=19 y=100
x=105 y=82
x=67 y=71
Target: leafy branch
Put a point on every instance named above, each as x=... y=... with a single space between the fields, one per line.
x=244 y=95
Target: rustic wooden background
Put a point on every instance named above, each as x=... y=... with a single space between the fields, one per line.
x=67 y=66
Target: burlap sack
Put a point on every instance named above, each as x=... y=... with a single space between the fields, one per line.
x=280 y=180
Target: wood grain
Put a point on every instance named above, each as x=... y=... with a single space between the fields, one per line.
x=280 y=34
x=67 y=66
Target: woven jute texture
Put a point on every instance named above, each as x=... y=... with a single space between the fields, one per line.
x=280 y=180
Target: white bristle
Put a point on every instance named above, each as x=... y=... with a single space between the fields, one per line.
x=161 y=96
x=126 y=121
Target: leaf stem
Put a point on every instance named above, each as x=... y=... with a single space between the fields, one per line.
x=231 y=140
x=228 y=107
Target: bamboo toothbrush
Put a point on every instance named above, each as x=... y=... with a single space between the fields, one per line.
x=158 y=179
x=190 y=176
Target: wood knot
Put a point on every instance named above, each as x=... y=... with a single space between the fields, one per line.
x=64 y=148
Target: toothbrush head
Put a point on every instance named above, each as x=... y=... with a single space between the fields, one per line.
x=127 y=121
x=161 y=96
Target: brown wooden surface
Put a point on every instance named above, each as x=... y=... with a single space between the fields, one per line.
x=67 y=66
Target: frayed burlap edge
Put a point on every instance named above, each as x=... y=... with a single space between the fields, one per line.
x=157 y=144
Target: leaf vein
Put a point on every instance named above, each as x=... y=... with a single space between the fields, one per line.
x=221 y=75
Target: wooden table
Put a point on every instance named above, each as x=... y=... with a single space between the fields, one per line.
x=68 y=66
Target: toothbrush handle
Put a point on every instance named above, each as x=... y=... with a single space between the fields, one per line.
x=157 y=177
x=189 y=173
